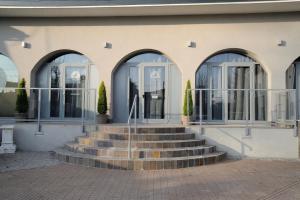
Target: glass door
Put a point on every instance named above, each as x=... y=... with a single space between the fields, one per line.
x=154 y=92
x=212 y=94
x=75 y=83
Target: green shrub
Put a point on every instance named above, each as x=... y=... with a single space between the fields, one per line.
x=188 y=93
x=22 y=99
x=102 y=101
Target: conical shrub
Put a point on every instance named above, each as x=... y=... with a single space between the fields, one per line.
x=188 y=106
x=102 y=100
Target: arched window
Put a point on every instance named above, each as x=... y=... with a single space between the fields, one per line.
x=9 y=77
x=293 y=81
x=155 y=80
x=230 y=80
x=8 y=73
x=67 y=76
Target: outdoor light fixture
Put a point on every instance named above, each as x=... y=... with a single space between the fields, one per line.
x=281 y=43
x=191 y=44
x=107 y=45
x=25 y=44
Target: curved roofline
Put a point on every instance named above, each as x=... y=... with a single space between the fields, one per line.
x=241 y=7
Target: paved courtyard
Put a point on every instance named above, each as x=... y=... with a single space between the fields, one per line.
x=46 y=178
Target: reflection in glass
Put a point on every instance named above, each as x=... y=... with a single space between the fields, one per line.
x=238 y=78
x=55 y=94
x=133 y=87
x=209 y=76
x=8 y=78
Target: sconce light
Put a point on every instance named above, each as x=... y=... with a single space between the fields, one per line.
x=107 y=45
x=25 y=44
x=191 y=44
x=281 y=43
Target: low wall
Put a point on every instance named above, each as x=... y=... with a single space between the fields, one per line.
x=262 y=142
x=52 y=136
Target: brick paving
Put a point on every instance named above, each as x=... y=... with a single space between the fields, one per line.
x=25 y=160
x=241 y=180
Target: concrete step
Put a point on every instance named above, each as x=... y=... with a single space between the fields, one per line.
x=144 y=136
x=141 y=129
x=89 y=141
x=142 y=153
x=138 y=164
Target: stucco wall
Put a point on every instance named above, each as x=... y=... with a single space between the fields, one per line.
x=257 y=33
x=262 y=143
x=53 y=136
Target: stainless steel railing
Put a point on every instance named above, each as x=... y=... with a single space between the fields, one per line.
x=133 y=108
x=277 y=106
x=79 y=103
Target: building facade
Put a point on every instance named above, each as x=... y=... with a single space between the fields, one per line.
x=151 y=50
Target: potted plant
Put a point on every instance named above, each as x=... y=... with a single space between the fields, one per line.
x=187 y=104
x=22 y=101
x=102 y=104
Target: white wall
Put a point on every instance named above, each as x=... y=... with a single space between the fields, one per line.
x=53 y=136
x=262 y=143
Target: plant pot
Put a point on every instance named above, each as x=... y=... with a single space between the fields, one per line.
x=102 y=119
x=185 y=120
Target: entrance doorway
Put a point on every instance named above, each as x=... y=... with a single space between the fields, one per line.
x=66 y=81
x=149 y=78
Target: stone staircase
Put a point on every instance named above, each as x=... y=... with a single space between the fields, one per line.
x=153 y=148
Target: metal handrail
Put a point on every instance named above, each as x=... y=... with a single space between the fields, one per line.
x=248 y=92
x=133 y=107
x=38 y=118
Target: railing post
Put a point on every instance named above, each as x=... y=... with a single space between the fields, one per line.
x=200 y=112
x=82 y=109
x=135 y=114
x=39 y=109
x=247 y=112
x=295 y=114
x=134 y=106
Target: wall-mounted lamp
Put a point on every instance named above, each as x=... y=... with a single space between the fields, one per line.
x=25 y=44
x=107 y=45
x=191 y=44
x=281 y=43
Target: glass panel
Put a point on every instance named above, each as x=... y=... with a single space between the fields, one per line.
x=260 y=95
x=133 y=87
x=55 y=94
x=238 y=78
x=154 y=96
x=8 y=72
x=216 y=95
x=202 y=83
x=8 y=99
x=75 y=77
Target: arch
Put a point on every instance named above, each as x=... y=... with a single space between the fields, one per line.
x=137 y=52
x=292 y=81
x=128 y=79
x=64 y=69
x=227 y=74
x=50 y=56
x=240 y=51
